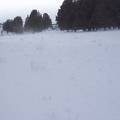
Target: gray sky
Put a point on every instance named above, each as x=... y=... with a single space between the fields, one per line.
x=11 y=8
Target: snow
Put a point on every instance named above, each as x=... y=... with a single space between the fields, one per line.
x=56 y=75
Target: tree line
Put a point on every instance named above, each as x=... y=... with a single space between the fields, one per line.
x=89 y=15
x=75 y=15
x=34 y=22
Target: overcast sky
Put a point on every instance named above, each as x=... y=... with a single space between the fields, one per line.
x=12 y=8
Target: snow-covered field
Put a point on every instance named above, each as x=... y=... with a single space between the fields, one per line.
x=57 y=75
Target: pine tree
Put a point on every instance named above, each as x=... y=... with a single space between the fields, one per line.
x=47 y=22
x=65 y=15
x=8 y=26
x=89 y=14
x=18 y=24
x=36 y=22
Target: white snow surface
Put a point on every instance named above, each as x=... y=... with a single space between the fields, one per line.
x=56 y=75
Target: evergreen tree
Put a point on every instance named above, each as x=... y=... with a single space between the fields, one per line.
x=8 y=26
x=18 y=24
x=46 y=21
x=89 y=14
x=65 y=16
x=26 y=25
x=37 y=22
x=34 y=22
x=15 y=25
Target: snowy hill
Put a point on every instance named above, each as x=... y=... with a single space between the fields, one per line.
x=60 y=76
